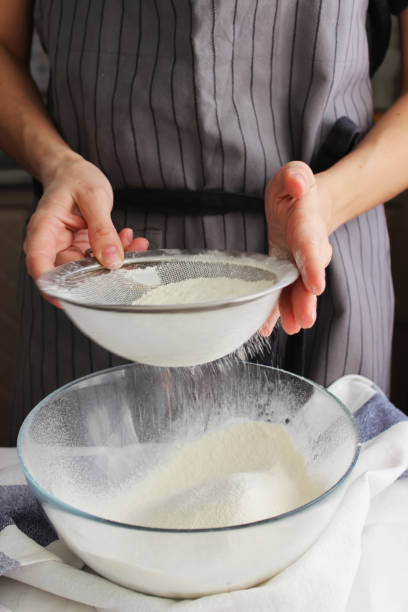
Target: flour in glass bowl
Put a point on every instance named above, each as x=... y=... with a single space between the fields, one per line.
x=200 y=290
x=238 y=474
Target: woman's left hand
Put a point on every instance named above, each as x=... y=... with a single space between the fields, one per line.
x=298 y=213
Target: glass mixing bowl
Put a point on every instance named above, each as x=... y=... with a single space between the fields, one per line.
x=86 y=441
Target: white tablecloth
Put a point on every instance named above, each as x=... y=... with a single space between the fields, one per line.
x=359 y=564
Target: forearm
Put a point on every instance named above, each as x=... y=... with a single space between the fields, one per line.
x=374 y=172
x=27 y=133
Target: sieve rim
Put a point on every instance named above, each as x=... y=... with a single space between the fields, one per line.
x=50 y=282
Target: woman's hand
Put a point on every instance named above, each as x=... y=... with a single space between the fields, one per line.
x=298 y=214
x=72 y=216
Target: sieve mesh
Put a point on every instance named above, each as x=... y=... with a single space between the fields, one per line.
x=88 y=283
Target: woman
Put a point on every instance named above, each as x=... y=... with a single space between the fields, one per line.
x=198 y=114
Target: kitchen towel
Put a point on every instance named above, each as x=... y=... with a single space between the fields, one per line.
x=357 y=563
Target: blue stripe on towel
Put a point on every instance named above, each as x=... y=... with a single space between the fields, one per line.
x=18 y=506
x=6 y=563
x=377 y=415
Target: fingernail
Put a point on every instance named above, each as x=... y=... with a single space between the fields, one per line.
x=300 y=178
x=318 y=289
x=111 y=257
x=145 y=243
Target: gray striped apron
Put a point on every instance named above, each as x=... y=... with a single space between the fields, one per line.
x=189 y=107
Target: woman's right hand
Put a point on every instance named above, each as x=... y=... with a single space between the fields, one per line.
x=298 y=211
x=72 y=216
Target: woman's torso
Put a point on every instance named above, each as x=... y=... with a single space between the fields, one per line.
x=213 y=96
x=203 y=94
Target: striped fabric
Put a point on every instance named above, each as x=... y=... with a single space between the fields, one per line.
x=213 y=96
x=203 y=94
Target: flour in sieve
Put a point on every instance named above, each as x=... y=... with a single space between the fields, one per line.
x=198 y=290
x=239 y=474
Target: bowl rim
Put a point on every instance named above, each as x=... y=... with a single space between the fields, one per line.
x=49 y=282
x=68 y=508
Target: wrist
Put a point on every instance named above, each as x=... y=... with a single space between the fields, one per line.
x=53 y=162
x=327 y=200
x=44 y=150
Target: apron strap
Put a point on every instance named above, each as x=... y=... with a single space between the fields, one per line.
x=180 y=201
x=342 y=138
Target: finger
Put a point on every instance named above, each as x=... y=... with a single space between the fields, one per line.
x=126 y=236
x=288 y=319
x=270 y=323
x=52 y=301
x=312 y=260
x=80 y=241
x=293 y=180
x=138 y=244
x=303 y=305
x=72 y=253
x=298 y=178
x=309 y=243
x=40 y=247
x=95 y=205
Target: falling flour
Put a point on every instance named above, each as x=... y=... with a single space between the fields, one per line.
x=239 y=474
x=196 y=290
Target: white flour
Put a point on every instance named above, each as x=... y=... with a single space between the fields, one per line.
x=196 y=290
x=243 y=473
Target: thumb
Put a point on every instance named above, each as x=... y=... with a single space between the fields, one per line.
x=96 y=206
x=298 y=179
